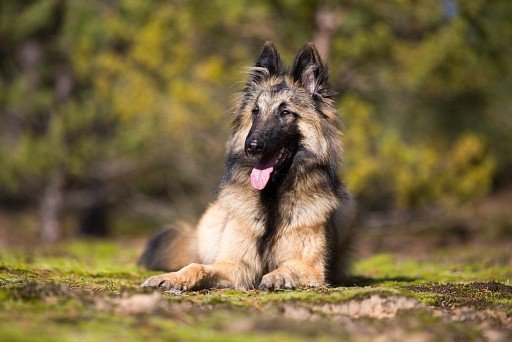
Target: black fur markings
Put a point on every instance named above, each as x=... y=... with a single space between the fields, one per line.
x=270 y=60
x=282 y=86
x=270 y=203
x=235 y=162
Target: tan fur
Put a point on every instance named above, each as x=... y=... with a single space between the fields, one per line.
x=309 y=244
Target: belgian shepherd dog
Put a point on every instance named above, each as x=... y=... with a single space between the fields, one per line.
x=280 y=217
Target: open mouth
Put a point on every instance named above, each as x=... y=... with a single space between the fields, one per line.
x=264 y=167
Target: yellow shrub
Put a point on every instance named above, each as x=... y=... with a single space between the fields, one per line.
x=382 y=165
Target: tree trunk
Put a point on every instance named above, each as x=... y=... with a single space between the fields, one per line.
x=50 y=208
x=327 y=20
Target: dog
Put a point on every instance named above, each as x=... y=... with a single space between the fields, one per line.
x=281 y=215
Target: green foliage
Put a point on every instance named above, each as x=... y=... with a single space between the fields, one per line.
x=381 y=164
x=424 y=95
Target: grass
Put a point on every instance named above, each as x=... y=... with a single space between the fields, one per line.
x=89 y=290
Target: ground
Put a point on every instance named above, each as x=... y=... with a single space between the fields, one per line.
x=415 y=283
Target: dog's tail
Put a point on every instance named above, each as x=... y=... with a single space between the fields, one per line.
x=169 y=249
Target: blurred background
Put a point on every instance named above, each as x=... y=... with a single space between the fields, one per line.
x=114 y=114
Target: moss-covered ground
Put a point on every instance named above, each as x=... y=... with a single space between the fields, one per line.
x=89 y=290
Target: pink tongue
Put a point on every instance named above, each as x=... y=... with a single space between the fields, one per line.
x=261 y=174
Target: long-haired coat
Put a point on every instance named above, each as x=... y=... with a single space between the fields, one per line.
x=280 y=217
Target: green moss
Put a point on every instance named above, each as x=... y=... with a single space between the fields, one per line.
x=53 y=294
x=389 y=269
x=480 y=295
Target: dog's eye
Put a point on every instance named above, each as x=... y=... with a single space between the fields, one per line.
x=256 y=109
x=285 y=112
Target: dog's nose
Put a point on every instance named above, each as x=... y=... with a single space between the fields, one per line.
x=252 y=146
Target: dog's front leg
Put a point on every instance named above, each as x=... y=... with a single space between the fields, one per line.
x=300 y=256
x=237 y=266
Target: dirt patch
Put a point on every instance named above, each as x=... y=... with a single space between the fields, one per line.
x=372 y=307
x=132 y=305
x=493 y=286
x=468 y=314
x=495 y=325
x=33 y=290
x=477 y=294
x=464 y=289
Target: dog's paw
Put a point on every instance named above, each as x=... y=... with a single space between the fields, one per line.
x=165 y=282
x=276 y=281
x=188 y=278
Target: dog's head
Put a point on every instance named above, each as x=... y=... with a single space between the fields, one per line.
x=287 y=113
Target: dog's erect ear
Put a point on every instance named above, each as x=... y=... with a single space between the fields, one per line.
x=267 y=64
x=308 y=69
